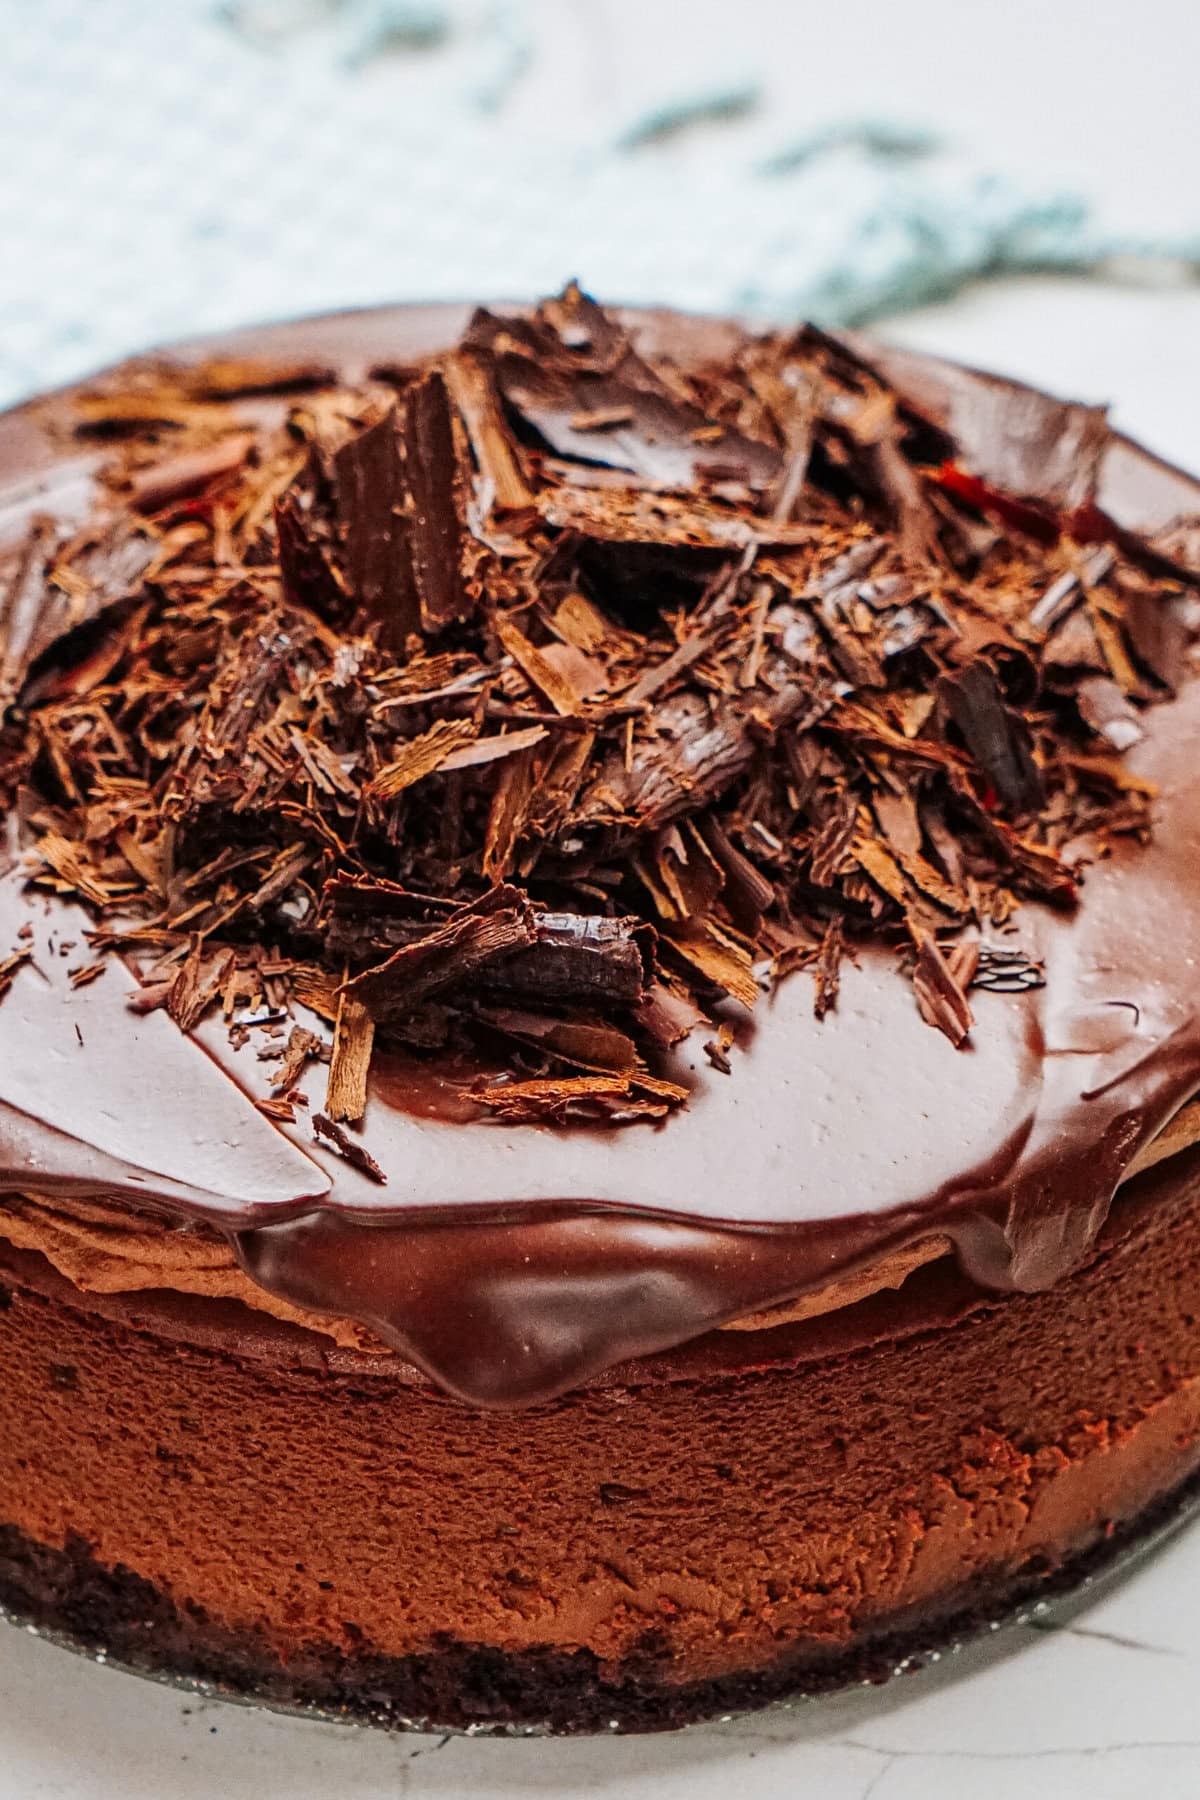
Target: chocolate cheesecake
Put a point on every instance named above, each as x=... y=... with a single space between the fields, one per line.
x=600 y=1011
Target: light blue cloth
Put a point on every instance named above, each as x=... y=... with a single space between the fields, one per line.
x=174 y=166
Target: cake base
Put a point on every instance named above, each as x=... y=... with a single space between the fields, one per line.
x=116 y=1618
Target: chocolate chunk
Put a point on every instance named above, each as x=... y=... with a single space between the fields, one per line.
x=940 y=994
x=997 y=737
x=435 y=525
x=607 y=962
x=446 y=957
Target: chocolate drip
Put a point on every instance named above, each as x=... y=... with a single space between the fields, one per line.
x=830 y=1150
x=511 y=1263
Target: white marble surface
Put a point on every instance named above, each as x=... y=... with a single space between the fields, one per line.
x=1102 y=1704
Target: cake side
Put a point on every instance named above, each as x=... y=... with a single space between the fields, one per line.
x=997 y=550
x=674 y=1539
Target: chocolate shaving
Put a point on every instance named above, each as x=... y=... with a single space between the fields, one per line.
x=605 y=962
x=667 y=1016
x=940 y=996
x=68 y=864
x=828 y=969
x=365 y=914
x=539 y=670
x=1003 y=971
x=212 y=768
x=543 y=709
x=9 y=966
x=368 y=491
x=997 y=737
x=558 y=1100
x=593 y=399
x=561 y=956
x=52 y=597
x=452 y=954
x=1104 y=707
x=283 y=1111
x=421 y=756
x=306 y=565
x=193 y=990
x=468 y=376
x=85 y=973
x=317 y=989
x=435 y=524
x=493 y=749
x=512 y=799
x=161 y=484
x=303 y=1047
x=1155 y=628
x=832 y=845
x=24 y=601
x=717 y=1049
x=353 y=1041
x=328 y=1131
x=720 y=957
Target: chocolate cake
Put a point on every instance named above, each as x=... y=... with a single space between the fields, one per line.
x=600 y=965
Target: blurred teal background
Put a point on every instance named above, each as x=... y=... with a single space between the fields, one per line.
x=173 y=166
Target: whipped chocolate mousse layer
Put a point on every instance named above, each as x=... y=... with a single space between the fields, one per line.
x=511 y=1261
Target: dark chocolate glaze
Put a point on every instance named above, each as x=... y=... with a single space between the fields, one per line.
x=511 y=1263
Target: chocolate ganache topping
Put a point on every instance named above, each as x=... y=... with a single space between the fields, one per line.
x=556 y=831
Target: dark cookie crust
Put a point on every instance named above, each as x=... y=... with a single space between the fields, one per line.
x=68 y=1595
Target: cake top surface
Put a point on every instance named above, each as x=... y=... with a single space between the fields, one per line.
x=610 y=774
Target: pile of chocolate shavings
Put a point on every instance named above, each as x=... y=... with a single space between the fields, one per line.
x=549 y=700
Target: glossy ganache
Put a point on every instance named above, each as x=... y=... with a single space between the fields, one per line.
x=513 y=1261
